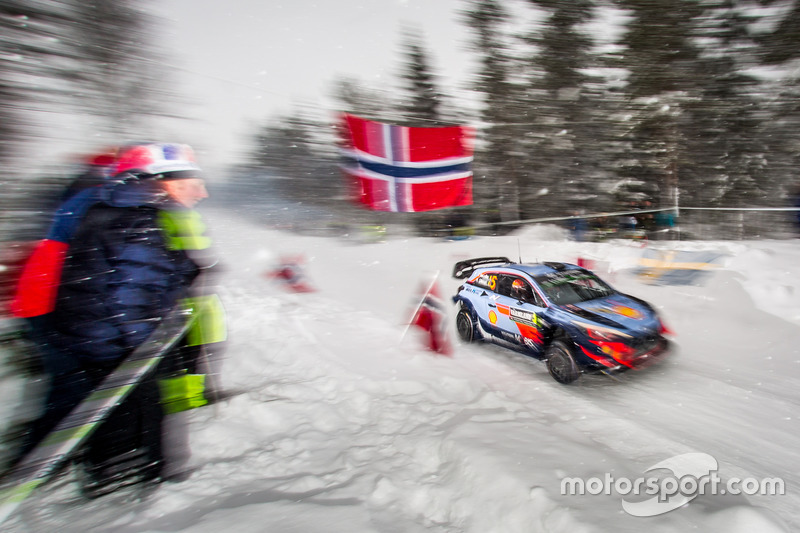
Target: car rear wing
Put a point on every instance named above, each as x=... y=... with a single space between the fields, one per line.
x=463 y=269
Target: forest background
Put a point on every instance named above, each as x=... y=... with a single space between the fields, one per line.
x=693 y=104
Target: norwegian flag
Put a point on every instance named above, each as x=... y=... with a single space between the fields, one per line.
x=408 y=169
x=431 y=315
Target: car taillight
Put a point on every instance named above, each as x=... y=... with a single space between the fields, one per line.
x=664 y=330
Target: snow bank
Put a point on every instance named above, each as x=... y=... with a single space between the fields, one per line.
x=339 y=420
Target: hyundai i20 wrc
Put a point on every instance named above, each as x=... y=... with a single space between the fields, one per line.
x=559 y=312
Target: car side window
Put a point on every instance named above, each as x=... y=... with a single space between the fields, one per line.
x=519 y=289
x=536 y=299
x=504 y=285
x=486 y=281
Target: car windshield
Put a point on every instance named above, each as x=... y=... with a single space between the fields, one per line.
x=573 y=286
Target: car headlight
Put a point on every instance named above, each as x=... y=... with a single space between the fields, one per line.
x=610 y=341
x=602 y=333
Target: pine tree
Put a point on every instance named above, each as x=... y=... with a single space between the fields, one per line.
x=726 y=151
x=562 y=160
x=70 y=55
x=421 y=99
x=296 y=152
x=360 y=99
x=64 y=59
x=499 y=159
x=121 y=75
x=420 y=105
x=661 y=58
x=779 y=106
x=30 y=58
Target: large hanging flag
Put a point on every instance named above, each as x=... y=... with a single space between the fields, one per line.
x=408 y=169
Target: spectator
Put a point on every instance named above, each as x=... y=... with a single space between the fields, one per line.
x=131 y=257
x=95 y=171
x=797 y=207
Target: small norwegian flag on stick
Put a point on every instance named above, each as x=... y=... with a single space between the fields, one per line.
x=430 y=315
x=290 y=271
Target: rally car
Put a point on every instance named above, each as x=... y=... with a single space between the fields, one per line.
x=558 y=312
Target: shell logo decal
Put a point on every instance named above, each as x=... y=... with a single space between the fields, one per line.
x=492 y=317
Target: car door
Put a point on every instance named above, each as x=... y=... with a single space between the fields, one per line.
x=520 y=312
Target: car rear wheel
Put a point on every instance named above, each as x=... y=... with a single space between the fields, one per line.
x=561 y=364
x=465 y=326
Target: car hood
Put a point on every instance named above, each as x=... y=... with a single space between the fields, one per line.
x=619 y=311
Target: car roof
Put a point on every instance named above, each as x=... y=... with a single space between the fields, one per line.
x=538 y=269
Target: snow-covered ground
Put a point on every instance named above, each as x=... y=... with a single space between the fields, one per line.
x=346 y=424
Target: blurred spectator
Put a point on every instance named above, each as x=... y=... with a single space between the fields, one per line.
x=627 y=223
x=647 y=220
x=665 y=224
x=134 y=250
x=797 y=206
x=577 y=226
x=95 y=171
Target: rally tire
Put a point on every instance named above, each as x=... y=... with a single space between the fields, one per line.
x=561 y=364
x=465 y=326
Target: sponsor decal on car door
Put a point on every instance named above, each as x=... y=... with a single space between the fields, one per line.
x=519 y=321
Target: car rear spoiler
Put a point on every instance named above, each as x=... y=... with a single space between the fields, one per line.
x=462 y=269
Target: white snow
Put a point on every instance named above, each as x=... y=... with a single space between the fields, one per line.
x=346 y=424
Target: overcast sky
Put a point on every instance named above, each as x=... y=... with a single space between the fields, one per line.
x=243 y=61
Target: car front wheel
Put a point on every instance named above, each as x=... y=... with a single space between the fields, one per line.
x=561 y=364
x=465 y=326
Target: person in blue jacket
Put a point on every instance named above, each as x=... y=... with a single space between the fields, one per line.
x=133 y=255
x=797 y=207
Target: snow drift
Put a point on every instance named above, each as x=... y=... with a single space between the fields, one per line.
x=340 y=422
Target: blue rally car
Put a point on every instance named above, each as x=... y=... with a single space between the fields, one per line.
x=558 y=312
